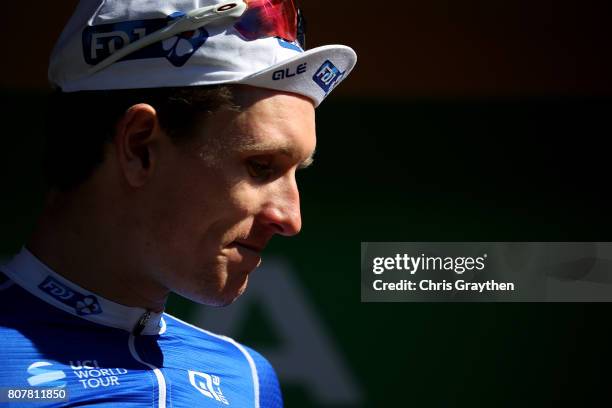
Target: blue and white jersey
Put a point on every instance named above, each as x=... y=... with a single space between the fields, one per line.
x=54 y=333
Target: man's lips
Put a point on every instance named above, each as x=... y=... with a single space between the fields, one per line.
x=246 y=253
x=249 y=245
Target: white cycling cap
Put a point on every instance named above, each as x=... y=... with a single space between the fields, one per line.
x=215 y=53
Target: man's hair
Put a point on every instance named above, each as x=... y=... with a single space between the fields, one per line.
x=80 y=124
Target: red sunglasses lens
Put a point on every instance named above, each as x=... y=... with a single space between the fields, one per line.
x=269 y=18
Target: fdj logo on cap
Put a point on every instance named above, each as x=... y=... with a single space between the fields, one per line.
x=327 y=76
x=100 y=41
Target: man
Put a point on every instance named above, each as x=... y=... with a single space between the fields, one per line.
x=174 y=139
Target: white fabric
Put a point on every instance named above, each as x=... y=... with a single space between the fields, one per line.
x=225 y=57
x=29 y=272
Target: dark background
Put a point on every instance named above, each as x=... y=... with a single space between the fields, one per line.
x=473 y=120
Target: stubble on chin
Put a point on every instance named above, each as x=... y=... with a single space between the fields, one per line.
x=216 y=286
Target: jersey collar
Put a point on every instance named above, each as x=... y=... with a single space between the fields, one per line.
x=37 y=278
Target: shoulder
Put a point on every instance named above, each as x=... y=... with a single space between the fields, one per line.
x=193 y=335
x=269 y=388
x=219 y=347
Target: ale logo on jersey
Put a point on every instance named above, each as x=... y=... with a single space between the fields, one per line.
x=100 y=41
x=208 y=385
x=41 y=373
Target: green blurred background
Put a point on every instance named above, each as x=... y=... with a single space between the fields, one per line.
x=463 y=121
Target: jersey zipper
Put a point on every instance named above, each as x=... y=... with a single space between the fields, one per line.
x=142 y=323
x=161 y=381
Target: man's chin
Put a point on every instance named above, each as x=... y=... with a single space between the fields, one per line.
x=223 y=296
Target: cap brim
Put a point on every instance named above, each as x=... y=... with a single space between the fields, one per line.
x=313 y=73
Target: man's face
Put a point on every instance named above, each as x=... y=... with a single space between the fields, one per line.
x=220 y=198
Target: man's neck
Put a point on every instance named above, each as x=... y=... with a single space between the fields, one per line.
x=91 y=252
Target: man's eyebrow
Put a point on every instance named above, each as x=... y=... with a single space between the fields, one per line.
x=282 y=149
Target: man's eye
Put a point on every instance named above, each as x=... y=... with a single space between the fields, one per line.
x=261 y=170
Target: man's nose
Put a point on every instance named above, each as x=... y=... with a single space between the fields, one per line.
x=282 y=211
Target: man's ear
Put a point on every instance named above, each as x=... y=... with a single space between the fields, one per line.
x=136 y=142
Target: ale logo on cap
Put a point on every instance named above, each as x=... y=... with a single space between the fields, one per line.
x=327 y=76
x=100 y=41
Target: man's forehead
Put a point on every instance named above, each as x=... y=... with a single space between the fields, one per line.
x=277 y=122
x=246 y=95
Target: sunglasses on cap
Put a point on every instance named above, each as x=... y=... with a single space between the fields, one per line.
x=272 y=18
x=256 y=19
